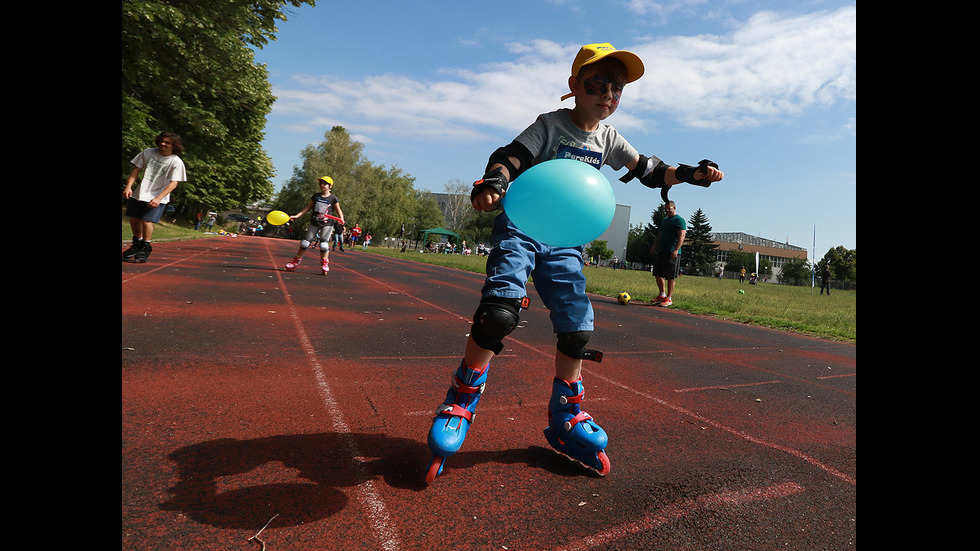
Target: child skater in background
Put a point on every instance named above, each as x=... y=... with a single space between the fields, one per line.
x=324 y=206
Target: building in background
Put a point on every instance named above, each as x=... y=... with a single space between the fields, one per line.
x=616 y=235
x=777 y=253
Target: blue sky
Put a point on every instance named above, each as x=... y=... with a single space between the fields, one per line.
x=766 y=89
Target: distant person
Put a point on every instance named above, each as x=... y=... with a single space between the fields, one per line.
x=162 y=170
x=338 y=236
x=355 y=234
x=321 y=226
x=825 y=278
x=666 y=251
x=741 y=276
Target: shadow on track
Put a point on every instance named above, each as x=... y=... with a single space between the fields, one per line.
x=297 y=476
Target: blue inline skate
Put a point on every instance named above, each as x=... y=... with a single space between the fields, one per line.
x=571 y=431
x=454 y=417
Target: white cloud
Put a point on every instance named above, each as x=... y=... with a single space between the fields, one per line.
x=770 y=67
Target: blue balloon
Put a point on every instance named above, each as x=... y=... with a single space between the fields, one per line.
x=561 y=202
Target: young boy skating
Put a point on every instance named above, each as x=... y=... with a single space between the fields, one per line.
x=599 y=74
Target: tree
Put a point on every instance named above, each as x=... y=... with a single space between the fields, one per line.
x=378 y=198
x=598 y=249
x=336 y=156
x=698 y=253
x=479 y=228
x=387 y=199
x=795 y=272
x=459 y=209
x=187 y=67
x=426 y=215
x=638 y=243
x=738 y=260
x=843 y=263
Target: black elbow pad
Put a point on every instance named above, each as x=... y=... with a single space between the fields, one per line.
x=654 y=178
x=503 y=154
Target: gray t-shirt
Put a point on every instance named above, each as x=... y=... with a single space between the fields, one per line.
x=554 y=136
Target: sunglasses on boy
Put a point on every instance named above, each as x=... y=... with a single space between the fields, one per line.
x=597 y=86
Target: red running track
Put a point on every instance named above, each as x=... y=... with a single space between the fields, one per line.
x=294 y=406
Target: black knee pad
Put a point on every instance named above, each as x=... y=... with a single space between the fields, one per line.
x=495 y=319
x=572 y=344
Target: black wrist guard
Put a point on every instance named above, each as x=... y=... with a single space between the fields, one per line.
x=494 y=180
x=685 y=173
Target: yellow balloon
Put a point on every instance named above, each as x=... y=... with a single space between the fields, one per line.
x=277 y=218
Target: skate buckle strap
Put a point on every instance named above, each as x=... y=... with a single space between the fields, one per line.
x=582 y=416
x=456 y=411
x=577 y=399
x=466 y=389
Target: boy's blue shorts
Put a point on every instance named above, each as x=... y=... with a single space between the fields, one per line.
x=142 y=210
x=557 y=273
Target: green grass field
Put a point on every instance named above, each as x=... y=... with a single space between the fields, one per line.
x=799 y=309
x=166 y=231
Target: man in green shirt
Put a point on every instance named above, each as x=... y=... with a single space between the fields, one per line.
x=666 y=252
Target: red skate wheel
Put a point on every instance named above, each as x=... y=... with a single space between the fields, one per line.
x=434 y=469
x=606 y=466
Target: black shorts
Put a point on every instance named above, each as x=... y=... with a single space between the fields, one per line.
x=665 y=266
x=143 y=211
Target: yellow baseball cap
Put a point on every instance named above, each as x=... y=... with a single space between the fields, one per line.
x=590 y=53
x=327 y=179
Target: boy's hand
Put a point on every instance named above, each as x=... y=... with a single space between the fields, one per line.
x=486 y=200
x=711 y=171
x=487 y=192
x=701 y=175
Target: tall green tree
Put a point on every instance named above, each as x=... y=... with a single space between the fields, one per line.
x=843 y=263
x=188 y=67
x=337 y=156
x=638 y=243
x=698 y=252
x=379 y=199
